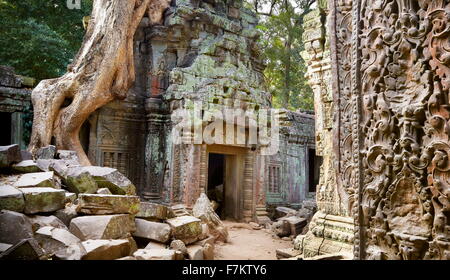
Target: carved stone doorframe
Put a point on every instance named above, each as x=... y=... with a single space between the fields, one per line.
x=244 y=170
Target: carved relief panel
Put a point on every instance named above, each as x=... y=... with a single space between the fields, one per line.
x=394 y=112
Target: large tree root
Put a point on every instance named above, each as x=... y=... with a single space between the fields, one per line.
x=102 y=71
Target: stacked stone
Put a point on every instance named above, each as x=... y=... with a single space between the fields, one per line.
x=54 y=208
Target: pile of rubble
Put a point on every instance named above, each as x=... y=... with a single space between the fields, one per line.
x=289 y=224
x=53 y=208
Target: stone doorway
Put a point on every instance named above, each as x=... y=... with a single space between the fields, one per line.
x=226 y=170
x=216 y=181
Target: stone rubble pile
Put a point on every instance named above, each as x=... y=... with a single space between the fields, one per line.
x=290 y=223
x=51 y=207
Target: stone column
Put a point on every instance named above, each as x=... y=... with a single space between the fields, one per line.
x=331 y=230
x=248 y=186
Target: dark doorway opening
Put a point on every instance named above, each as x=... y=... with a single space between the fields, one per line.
x=85 y=131
x=5 y=136
x=314 y=163
x=216 y=175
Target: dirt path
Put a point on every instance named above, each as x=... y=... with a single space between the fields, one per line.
x=248 y=244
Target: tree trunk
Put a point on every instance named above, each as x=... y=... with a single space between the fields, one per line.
x=103 y=70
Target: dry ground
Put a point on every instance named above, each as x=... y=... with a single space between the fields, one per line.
x=245 y=243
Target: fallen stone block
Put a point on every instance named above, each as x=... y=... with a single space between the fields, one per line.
x=106 y=249
x=56 y=241
x=155 y=245
x=67 y=214
x=152 y=230
x=107 y=177
x=263 y=220
x=208 y=252
x=25 y=249
x=43 y=200
x=154 y=254
x=102 y=227
x=14 y=227
x=9 y=155
x=281 y=228
x=79 y=182
x=47 y=152
x=59 y=166
x=284 y=211
x=296 y=224
x=101 y=204
x=103 y=191
x=153 y=211
x=195 y=252
x=26 y=166
x=203 y=210
x=11 y=199
x=287 y=253
x=178 y=245
x=36 y=180
x=38 y=222
x=186 y=228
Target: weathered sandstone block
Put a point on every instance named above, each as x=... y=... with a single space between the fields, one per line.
x=38 y=222
x=9 y=155
x=107 y=178
x=195 y=252
x=106 y=249
x=25 y=249
x=47 y=152
x=150 y=210
x=203 y=210
x=178 y=245
x=43 y=200
x=186 y=228
x=102 y=227
x=152 y=230
x=11 y=199
x=60 y=242
x=79 y=182
x=36 y=180
x=101 y=204
x=26 y=166
x=14 y=227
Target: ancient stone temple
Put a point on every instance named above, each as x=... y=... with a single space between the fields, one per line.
x=293 y=173
x=390 y=91
x=205 y=54
x=15 y=106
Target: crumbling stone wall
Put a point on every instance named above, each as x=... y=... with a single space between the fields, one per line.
x=15 y=99
x=287 y=172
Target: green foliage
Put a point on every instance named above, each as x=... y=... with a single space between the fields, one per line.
x=40 y=38
x=282 y=30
